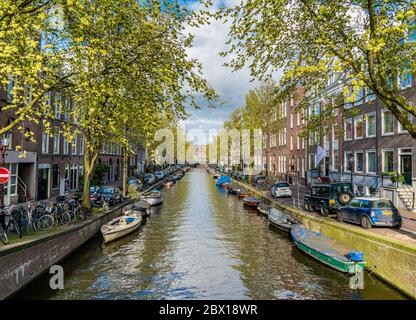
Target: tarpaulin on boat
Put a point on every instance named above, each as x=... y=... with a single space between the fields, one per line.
x=223 y=179
x=355 y=256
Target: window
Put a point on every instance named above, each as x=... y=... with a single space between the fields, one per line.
x=10 y=87
x=297 y=142
x=311 y=161
x=405 y=81
x=388 y=165
x=11 y=187
x=56 y=140
x=284 y=136
x=66 y=147
x=409 y=116
x=348 y=129
x=370 y=96
x=82 y=144
x=45 y=142
x=371 y=162
x=335 y=160
x=370 y=128
x=58 y=105
x=335 y=133
x=55 y=176
x=348 y=161
x=359 y=97
x=387 y=122
x=74 y=145
x=291 y=120
x=326 y=135
x=358 y=128
x=298 y=119
x=359 y=161
x=291 y=142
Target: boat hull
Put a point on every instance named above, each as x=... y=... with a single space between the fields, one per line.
x=153 y=201
x=120 y=231
x=334 y=261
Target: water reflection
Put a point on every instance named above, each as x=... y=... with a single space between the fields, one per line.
x=201 y=244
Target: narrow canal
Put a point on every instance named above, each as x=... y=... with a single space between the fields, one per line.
x=201 y=244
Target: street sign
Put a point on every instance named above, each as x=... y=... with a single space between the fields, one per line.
x=4 y=175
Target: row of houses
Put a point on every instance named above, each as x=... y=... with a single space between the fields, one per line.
x=51 y=165
x=364 y=147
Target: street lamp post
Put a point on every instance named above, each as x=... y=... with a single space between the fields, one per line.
x=3 y=144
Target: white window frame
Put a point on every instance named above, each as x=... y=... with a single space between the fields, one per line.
x=45 y=142
x=370 y=114
x=366 y=161
x=346 y=164
x=345 y=129
x=383 y=151
x=66 y=146
x=56 y=140
x=355 y=161
x=360 y=117
x=400 y=128
x=382 y=123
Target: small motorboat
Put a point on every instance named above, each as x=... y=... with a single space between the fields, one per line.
x=141 y=208
x=120 y=227
x=242 y=195
x=169 y=183
x=263 y=208
x=154 y=197
x=251 y=201
x=234 y=191
x=281 y=220
x=223 y=180
x=327 y=250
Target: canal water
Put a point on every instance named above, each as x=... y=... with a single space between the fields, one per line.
x=201 y=244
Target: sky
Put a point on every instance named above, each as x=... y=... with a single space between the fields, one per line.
x=231 y=86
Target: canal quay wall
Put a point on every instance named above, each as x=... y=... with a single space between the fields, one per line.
x=23 y=262
x=392 y=260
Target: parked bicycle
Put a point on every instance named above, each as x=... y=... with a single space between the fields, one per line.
x=8 y=222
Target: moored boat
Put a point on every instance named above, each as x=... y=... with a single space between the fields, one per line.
x=244 y=195
x=281 y=220
x=263 y=208
x=233 y=191
x=154 y=197
x=327 y=251
x=141 y=208
x=251 y=201
x=120 y=227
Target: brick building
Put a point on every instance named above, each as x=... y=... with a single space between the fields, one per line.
x=53 y=165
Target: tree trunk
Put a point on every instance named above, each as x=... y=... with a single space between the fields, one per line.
x=124 y=171
x=89 y=163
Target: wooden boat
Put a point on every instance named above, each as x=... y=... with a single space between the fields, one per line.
x=155 y=197
x=263 y=208
x=251 y=201
x=327 y=250
x=281 y=220
x=244 y=195
x=234 y=191
x=169 y=183
x=141 y=208
x=120 y=227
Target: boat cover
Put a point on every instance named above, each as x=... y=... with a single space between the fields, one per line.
x=141 y=205
x=355 y=256
x=223 y=179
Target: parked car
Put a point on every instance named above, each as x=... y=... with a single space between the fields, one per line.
x=95 y=197
x=281 y=189
x=135 y=183
x=328 y=198
x=149 y=179
x=112 y=195
x=159 y=175
x=369 y=212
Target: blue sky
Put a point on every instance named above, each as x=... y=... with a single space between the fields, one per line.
x=231 y=86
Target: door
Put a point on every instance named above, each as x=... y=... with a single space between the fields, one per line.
x=326 y=166
x=43 y=177
x=406 y=168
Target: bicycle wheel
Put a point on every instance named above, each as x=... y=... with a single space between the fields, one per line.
x=25 y=226
x=3 y=236
x=66 y=218
x=81 y=214
x=45 y=222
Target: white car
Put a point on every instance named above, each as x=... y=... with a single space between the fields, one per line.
x=281 y=189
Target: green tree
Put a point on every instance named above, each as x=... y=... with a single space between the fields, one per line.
x=310 y=40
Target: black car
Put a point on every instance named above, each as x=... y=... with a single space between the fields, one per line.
x=112 y=195
x=95 y=197
x=328 y=198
